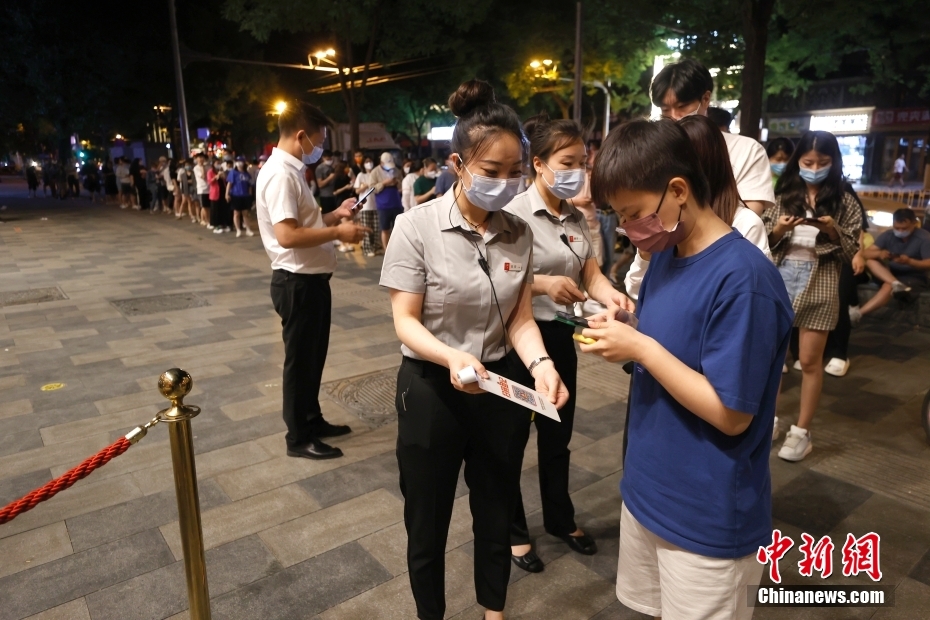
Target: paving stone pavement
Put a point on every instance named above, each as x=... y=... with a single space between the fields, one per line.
x=289 y=538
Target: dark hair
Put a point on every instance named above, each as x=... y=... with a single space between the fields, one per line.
x=779 y=145
x=688 y=79
x=548 y=136
x=299 y=115
x=792 y=188
x=481 y=118
x=327 y=153
x=427 y=161
x=645 y=155
x=904 y=215
x=711 y=148
x=720 y=117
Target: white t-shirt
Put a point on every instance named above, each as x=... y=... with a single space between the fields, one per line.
x=407 y=197
x=282 y=193
x=745 y=221
x=803 y=242
x=200 y=175
x=751 y=169
x=166 y=175
x=122 y=174
x=363 y=179
x=899 y=165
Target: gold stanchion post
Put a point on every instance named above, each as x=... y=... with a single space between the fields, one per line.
x=174 y=385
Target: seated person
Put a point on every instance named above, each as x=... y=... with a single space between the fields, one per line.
x=899 y=259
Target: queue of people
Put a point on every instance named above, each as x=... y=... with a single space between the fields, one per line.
x=487 y=274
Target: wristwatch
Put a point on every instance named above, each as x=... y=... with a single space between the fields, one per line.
x=536 y=362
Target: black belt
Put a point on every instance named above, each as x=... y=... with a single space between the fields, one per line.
x=304 y=276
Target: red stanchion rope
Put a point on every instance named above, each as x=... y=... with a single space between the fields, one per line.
x=11 y=511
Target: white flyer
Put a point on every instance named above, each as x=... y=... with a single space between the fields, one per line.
x=512 y=391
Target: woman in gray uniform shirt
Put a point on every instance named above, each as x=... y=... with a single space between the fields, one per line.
x=563 y=265
x=460 y=275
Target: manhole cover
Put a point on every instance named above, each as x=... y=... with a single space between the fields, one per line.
x=159 y=303
x=31 y=296
x=370 y=397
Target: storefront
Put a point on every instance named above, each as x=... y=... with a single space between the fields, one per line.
x=901 y=131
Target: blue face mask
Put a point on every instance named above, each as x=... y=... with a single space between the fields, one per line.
x=778 y=169
x=313 y=156
x=902 y=234
x=815 y=177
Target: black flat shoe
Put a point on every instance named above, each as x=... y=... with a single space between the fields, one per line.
x=315 y=449
x=331 y=430
x=583 y=544
x=529 y=562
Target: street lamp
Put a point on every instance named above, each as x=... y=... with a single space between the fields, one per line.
x=323 y=56
x=280 y=107
x=545 y=69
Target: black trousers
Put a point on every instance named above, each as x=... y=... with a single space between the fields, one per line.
x=552 y=439
x=304 y=303
x=838 y=340
x=439 y=428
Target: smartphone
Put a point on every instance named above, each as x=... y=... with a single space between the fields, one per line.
x=363 y=198
x=812 y=220
x=571 y=319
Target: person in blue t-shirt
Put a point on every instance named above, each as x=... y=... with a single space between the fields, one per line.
x=714 y=321
x=239 y=186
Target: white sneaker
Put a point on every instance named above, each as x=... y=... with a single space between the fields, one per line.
x=370 y=254
x=178 y=216
x=227 y=229
x=124 y=206
x=776 y=432
x=784 y=369
x=855 y=315
x=797 y=445
x=346 y=248
x=136 y=208
x=836 y=367
x=209 y=227
x=249 y=233
x=238 y=234
x=797 y=365
x=217 y=231
x=899 y=287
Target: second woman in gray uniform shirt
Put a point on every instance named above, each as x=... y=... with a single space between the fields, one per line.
x=460 y=276
x=563 y=265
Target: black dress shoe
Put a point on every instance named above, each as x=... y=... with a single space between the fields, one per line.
x=325 y=429
x=529 y=562
x=315 y=449
x=583 y=544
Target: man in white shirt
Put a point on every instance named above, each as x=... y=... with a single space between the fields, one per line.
x=203 y=187
x=299 y=238
x=900 y=167
x=684 y=88
x=124 y=183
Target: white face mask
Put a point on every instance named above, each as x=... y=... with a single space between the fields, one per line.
x=566 y=183
x=432 y=174
x=369 y=166
x=406 y=169
x=491 y=194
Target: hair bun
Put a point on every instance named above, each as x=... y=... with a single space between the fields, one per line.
x=535 y=122
x=470 y=96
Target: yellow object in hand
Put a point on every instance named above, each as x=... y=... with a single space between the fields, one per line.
x=583 y=339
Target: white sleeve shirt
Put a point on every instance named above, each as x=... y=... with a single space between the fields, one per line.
x=751 y=169
x=281 y=194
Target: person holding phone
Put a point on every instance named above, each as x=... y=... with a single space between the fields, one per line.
x=564 y=265
x=813 y=228
x=714 y=324
x=460 y=275
x=298 y=238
